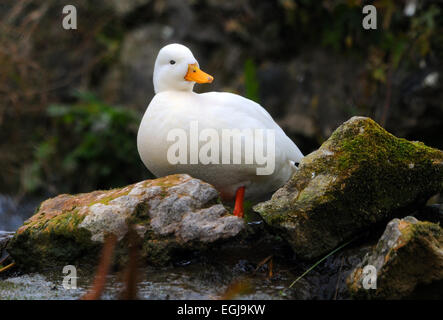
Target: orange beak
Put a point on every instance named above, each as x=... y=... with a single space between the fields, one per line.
x=195 y=74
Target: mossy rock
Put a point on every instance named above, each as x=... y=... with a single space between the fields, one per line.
x=170 y=214
x=409 y=253
x=360 y=176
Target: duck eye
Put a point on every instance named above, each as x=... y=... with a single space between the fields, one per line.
x=172 y=62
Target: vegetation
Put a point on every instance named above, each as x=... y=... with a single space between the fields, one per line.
x=41 y=64
x=91 y=145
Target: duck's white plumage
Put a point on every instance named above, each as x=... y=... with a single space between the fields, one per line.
x=176 y=106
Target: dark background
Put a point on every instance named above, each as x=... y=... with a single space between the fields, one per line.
x=71 y=100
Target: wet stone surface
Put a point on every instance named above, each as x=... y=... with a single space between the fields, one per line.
x=203 y=277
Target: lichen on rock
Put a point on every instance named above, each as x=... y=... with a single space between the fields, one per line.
x=176 y=212
x=409 y=253
x=360 y=176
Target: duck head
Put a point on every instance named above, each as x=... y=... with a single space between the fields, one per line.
x=176 y=69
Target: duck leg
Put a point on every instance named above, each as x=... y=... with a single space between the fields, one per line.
x=238 y=207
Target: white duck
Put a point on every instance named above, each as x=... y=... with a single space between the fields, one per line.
x=176 y=106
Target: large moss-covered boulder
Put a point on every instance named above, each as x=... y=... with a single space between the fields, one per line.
x=360 y=176
x=409 y=253
x=170 y=214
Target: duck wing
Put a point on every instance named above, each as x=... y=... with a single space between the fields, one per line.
x=242 y=113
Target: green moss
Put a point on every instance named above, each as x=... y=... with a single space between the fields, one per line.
x=158 y=252
x=140 y=215
x=52 y=242
x=112 y=195
x=379 y=168
x=376 y=144
x=360 y=176
x=426 y=229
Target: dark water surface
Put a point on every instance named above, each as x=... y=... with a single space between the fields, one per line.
x=200 y=280
x=201 y=277
x=13 y=211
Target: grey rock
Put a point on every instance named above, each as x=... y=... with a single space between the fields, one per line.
x=362 y=175
x=409 y=253
x=174 y=212
x=130 y=81
x=208 y=225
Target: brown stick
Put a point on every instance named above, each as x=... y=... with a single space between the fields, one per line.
x=131 y=270
x=7 y=267
x=103 y=269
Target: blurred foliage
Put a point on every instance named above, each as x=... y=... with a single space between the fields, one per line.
x=339 y=26
x=92 y=145
x=409 y=35
x=251 y=81
x=72 y=144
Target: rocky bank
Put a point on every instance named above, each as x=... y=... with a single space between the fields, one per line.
x=362 y=175
x=169 y=214
x=409 y=253
x=357 y=181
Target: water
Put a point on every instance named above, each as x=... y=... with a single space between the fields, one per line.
x=189 y=282
x=195 y=277
x=14 y=212
x=201 y=276
x=204 y=276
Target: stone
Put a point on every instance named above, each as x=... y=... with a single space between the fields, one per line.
x=5 y=236
x=172 y=213
x=130 y=80
x=409 y=253
x=362 y=175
